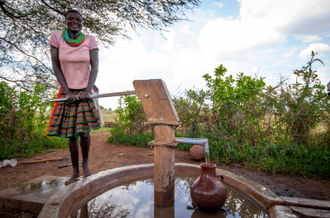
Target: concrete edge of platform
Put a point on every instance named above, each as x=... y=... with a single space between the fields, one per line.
x=296 y=212
x=10 y=197
x=304 y=202
x=63 y=202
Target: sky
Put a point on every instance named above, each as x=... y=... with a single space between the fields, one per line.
x=265 y=38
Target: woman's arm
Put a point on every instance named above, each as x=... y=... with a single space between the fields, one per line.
x=59 y=74
x=94 y=54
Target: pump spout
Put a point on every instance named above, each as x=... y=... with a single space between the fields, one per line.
x=197 y=141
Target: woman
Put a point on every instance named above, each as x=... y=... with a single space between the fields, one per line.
x=75 y=64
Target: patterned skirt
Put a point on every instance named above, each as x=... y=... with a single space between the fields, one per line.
x=76 y=119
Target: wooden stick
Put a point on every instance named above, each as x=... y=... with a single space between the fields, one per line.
x=101 y=95
x=38 y=161
x=305 y=176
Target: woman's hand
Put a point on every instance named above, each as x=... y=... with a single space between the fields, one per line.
x=71 y=98
x=83 y=95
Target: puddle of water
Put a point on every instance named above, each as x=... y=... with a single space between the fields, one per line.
x=136 y=200
x=43 y=188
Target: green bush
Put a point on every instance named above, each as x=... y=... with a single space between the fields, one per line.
x=18 y=112
x=28 y=148
x=130 y=116
x=118 y=136
x=23 y=123
x=131 y=128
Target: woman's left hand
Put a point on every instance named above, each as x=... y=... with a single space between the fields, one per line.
x=83 y=95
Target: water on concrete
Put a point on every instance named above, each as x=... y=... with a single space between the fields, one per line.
x=135 y=199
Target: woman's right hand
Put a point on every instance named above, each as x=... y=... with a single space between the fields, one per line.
x=71 y=98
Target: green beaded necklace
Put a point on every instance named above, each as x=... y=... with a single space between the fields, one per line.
x=73 y=42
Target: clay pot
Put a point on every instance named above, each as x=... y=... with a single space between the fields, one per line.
x=208 y=191
x=197 y=152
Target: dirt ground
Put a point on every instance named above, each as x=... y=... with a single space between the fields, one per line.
x=104 y=156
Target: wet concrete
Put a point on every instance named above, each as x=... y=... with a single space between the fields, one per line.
x=33 y=194
x=311 y=203
x=279 y=211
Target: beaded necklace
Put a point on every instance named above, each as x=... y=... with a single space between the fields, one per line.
x=73 y=42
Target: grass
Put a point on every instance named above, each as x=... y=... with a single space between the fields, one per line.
x=48 y=151
x=108 y=116
x=101 y=130
x=29 y=147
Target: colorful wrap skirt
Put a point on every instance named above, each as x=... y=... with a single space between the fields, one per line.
x=76 y=119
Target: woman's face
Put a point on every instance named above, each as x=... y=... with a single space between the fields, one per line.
x=74 y=22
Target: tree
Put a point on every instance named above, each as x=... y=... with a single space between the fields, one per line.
x=25 y=26
x=303 y=104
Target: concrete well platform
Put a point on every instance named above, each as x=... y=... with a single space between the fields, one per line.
x=32 y=195
x=49 y=197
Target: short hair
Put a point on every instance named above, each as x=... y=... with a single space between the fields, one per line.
x=72 y=11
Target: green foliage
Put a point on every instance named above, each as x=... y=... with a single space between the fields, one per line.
x=237 y=106
x=291 y=158
x=130 y=116
x=18 y=112
x=131 y=128
x=192 y=110
x=29 y=147
x=139 y=139
x=302 y=105
x=22 y=123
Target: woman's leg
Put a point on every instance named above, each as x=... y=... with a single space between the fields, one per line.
x=85 y=143
x=73 y=147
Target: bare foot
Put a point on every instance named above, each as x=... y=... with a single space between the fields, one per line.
x=86 y=170
x=73 y=179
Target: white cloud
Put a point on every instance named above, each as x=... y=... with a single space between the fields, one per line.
x=144 y=210
x=290 y=53
x=118 y=65
x=169 y=45
x=220 y=5
x=188 y=69
x=316 y=47
x=185 y=29
x=323 y=74
x=289 y=16
x=263 y=25
x=310 y=38
x=226 y=36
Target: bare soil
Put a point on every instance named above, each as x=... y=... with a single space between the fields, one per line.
x=104 y=156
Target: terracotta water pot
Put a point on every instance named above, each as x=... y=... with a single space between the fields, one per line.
x=197 y=152
x=208 y=191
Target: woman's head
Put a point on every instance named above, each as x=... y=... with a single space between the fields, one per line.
x=73 y=20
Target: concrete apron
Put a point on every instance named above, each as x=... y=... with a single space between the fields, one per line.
x=49 y=196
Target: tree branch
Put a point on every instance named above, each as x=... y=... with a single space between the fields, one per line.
x=23 y=52
x=50 y=7
x=16 y=82
x=10 y=14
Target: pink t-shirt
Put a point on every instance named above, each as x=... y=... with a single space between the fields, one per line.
x=75 y=61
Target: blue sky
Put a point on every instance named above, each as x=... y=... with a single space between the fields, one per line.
x=264 y=37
